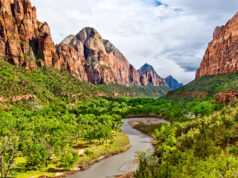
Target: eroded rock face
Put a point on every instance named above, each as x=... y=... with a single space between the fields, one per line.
x=148 y=76
x=190 y=94
x=71 y=57
x=221 y=56
x=96 y=60
x=227 y=96
x=18 y=98
x=24 y=40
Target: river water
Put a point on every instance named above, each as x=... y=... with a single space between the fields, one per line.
x=122 y=163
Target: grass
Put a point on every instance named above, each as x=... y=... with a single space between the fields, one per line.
x=119 y=144
x=35 y=174
x=22 y=172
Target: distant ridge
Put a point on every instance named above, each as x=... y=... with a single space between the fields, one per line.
x=173 y=83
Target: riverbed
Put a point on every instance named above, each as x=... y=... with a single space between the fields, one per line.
x=124 y=162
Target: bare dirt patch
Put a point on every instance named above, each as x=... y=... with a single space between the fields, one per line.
x=144 y=122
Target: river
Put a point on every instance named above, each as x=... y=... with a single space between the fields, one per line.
x=122 y=163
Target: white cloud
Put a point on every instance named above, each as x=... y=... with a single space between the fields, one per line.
x=171 y=37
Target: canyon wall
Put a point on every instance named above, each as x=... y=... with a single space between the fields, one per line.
x=221 y=56
x=24 y=41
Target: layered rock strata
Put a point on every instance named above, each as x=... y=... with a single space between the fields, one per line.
x=24 y=41
x=148 y=76
x=221 y=56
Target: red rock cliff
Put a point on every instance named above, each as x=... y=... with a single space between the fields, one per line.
x=148 y=76
x=93 y=59
x=24 y=40
x=221 y=56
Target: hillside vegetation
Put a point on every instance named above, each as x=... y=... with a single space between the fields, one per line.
x=47 y=84
x=212 y=84
x=208 y=84
x=50 y=85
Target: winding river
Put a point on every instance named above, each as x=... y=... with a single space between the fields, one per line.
x=122 y=163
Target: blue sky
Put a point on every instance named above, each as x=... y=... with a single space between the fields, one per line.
x=158 y=3
x=172 y=35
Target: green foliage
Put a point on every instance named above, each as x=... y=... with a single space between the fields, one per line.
x=40 y=135
x=88 y=151
x=196 y=137
x=148 y=166
x=204 y=147
x=47 y=84
x=170 y=109
x=50 y=85
x=69 y=159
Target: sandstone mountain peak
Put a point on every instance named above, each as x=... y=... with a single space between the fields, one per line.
x=146 y=67
x=67 y=40
x=102 y=62
x=91 y=58
x=110 y=48
x=221 y=56
x=148 y=76
x=87 y=33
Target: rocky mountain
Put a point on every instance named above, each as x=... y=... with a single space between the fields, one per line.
x=148 y=76
x=173 y=83
x=26 y=42
x=221 y=56
x=91 y=58
x=146 y=67
x=23 y=39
